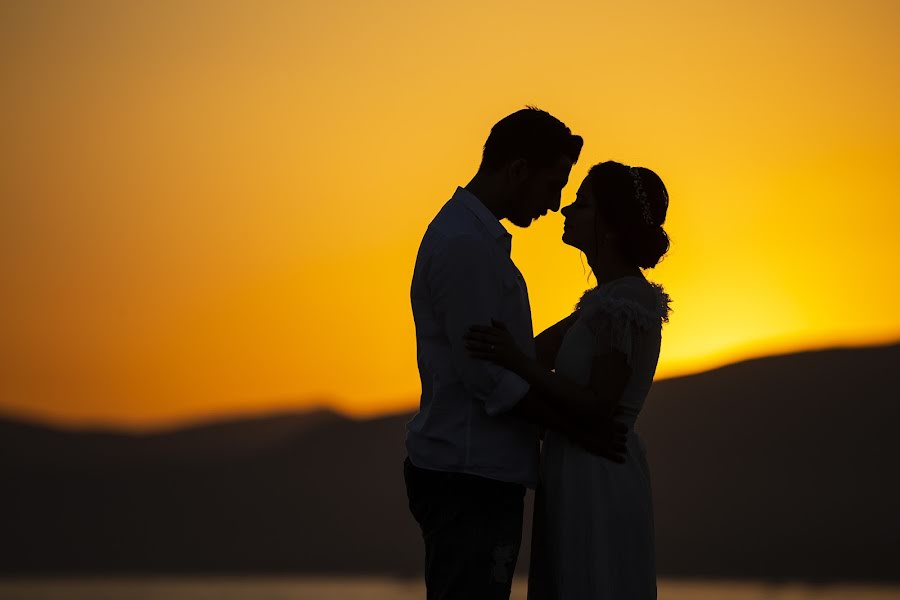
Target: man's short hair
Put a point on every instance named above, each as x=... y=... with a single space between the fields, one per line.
x=532 y=134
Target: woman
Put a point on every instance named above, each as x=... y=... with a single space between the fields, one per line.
x=593 y=522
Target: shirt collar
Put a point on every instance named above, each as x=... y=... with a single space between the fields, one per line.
x=486 y=217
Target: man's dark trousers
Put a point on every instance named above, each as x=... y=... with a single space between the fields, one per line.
x=472 y=528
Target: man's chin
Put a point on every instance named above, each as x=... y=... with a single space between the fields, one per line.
x=520 y=221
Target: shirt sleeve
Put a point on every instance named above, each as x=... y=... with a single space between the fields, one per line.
x=466 y=290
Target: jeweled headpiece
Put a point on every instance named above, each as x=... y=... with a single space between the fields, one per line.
x=641 y=195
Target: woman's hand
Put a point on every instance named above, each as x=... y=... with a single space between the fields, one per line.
x=495 y=344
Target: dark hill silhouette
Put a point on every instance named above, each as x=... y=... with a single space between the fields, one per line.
x=30 y=445
x=781 y=467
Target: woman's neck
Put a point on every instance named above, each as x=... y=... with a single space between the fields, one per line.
x=607 y=269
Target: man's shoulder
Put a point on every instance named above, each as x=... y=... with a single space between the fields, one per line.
x=454 y=229
x=455 y=242
x=454 y=220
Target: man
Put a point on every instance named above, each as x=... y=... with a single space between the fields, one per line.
x=472 y=448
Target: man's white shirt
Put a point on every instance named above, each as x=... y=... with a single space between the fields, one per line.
x=464 y=276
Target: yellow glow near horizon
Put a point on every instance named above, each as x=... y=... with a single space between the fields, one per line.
x=214 y=208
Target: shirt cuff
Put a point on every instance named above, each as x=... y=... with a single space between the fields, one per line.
x=509 y=390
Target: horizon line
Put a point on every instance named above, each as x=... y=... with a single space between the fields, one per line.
x=324 y=404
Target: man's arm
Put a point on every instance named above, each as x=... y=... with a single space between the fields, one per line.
x=609 y=374
x=597 y=401
x=583 y=413
x=466 y=290
x=603 y=437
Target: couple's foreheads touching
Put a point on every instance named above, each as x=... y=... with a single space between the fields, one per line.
x=526 y=163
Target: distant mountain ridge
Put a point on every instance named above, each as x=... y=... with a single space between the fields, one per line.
x=780 y=467
x=221 y=438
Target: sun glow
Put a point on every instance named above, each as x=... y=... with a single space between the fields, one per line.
x=214 y=209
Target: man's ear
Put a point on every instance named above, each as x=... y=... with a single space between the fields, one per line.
x=517 y=171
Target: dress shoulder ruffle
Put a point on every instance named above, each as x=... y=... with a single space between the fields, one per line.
x=622 y=306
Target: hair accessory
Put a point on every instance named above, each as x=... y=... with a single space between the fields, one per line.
x=641 y=195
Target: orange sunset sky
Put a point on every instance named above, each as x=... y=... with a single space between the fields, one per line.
x=213 y=208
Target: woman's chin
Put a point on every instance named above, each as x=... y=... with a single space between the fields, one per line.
x=567 y=240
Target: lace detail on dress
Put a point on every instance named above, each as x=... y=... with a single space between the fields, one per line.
x=622 y=306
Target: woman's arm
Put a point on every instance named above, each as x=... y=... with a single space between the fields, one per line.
x=597 y=401
x=594 y=403
x=604 y=437
x=547 y=342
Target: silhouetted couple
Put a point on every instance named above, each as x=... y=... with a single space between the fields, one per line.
x=490 y=388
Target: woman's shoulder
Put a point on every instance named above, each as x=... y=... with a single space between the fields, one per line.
x=630 y=298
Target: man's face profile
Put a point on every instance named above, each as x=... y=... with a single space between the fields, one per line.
x=539 y=193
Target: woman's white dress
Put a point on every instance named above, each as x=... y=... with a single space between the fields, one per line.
x=593 y=519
